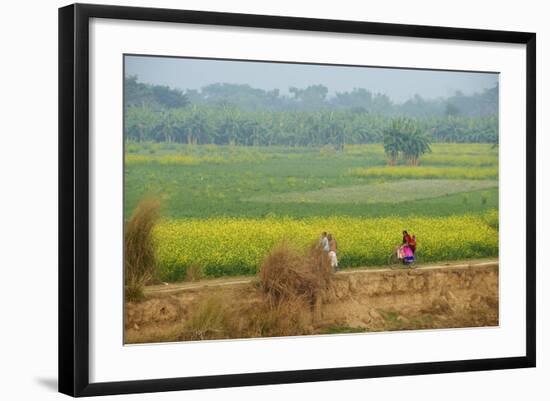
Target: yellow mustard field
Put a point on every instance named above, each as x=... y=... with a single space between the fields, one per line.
x=233 y=246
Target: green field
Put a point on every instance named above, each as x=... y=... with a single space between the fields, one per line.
x=297 y=192
x=259 y=182
x=395 y=191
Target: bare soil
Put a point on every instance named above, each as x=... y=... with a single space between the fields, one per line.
x=451 y=295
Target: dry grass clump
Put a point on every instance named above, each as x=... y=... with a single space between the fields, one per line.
x=288 y=318
x=287 y=274
x=291 y=284
x=139 y=252
x=218 y=317
x=208 y=321
x=319 y=265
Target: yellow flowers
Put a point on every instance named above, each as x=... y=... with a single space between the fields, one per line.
x=200 y=182
x=393 y=172
x=165 y=159
x=460 y=159
x=233 y=246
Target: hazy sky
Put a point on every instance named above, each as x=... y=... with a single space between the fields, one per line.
x=399 y=84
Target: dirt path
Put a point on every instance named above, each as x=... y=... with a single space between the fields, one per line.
x=171 y=288
x=439 y=295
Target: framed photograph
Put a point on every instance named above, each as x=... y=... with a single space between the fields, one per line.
x=251 y=199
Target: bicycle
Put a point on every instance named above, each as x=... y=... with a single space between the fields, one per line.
x=396 y=263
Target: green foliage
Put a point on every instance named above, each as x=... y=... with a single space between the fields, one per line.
x=484 y=198
x=155 y=96
x=403 y=136
x=315 y=98
x=381 y=192
x=228 y=125
x=205 y=181
x=492 y=219
x=237 y=114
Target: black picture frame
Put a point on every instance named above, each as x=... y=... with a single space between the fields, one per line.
x=74 y=198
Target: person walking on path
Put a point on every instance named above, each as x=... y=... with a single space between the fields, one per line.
x=323 y=242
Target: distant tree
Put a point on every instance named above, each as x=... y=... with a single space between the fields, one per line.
x=403 y=136
x=198 y=127
x=311 y=97
x=155 y=96
x=393 y=138
x=140 y=122
x=451 y=110
x=415 y=145
x=168 y=97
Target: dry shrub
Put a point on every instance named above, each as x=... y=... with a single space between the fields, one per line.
x=208 y=320
x=290 y=282
x=319 y=264
x=139 y=252
x=289 y=275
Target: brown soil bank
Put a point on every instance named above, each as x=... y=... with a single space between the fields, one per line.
x=354 y=301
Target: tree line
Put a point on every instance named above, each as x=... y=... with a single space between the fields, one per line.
x=163 y=114
x=314 y=97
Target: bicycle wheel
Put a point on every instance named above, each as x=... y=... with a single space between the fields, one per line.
x=393 y=261
x=413 y=264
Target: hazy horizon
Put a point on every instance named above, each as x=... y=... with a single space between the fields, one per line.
x=399 y=84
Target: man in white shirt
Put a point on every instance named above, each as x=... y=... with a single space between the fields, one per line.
x=324 y=242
